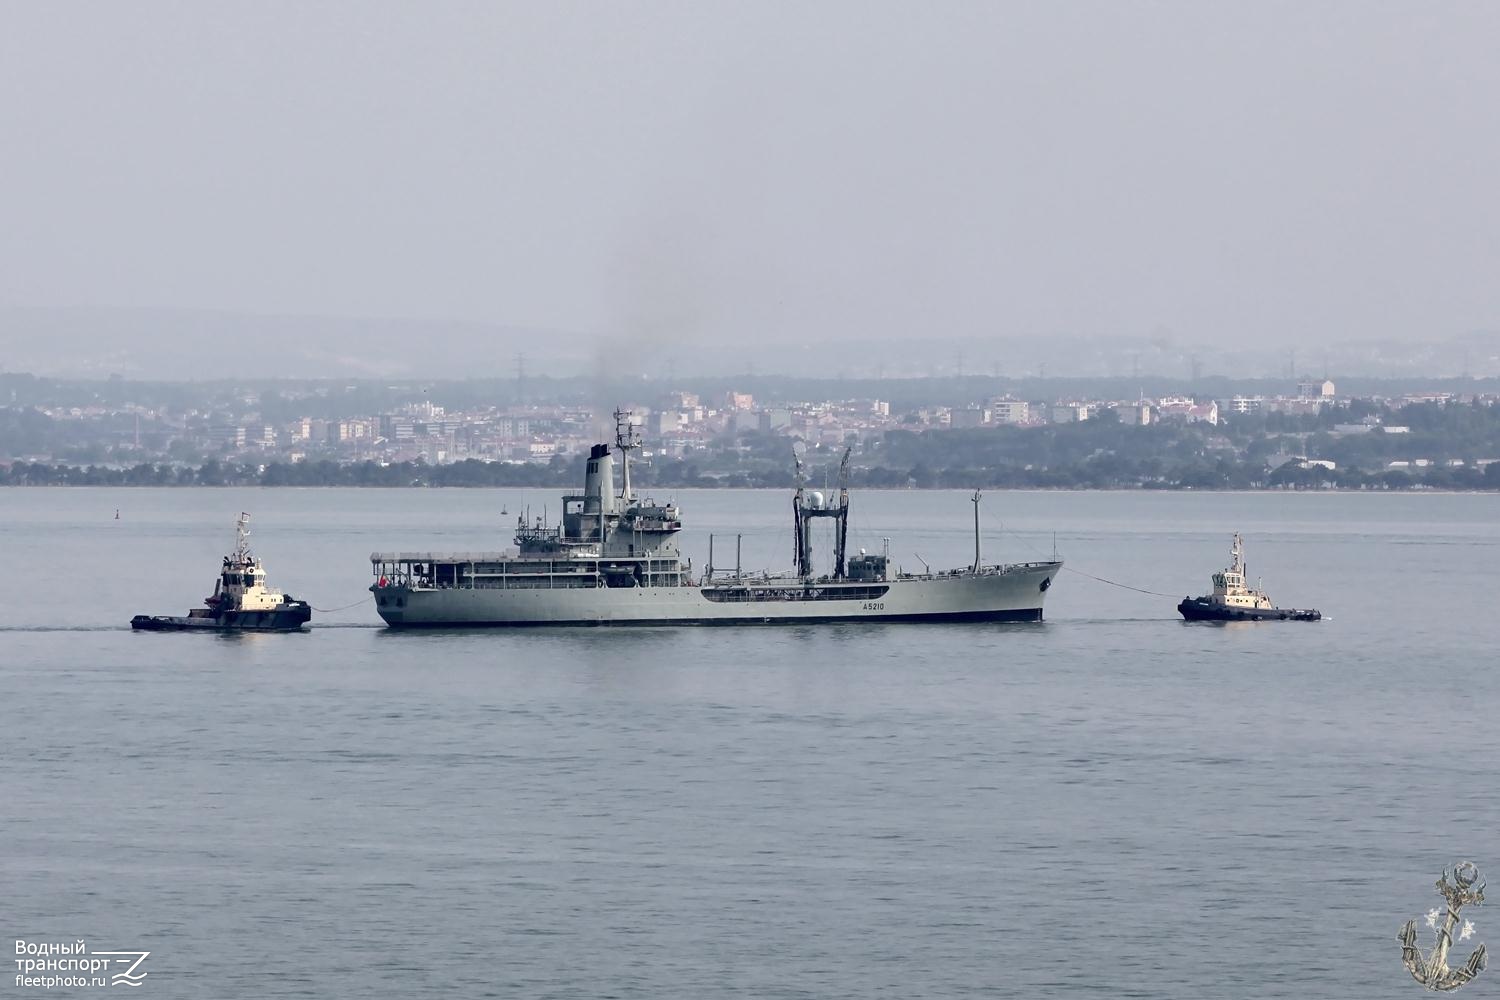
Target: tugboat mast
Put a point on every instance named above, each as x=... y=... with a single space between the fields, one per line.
x=242 y=538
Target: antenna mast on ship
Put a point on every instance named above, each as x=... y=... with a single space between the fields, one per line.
x=627 y=438
x=800 y=525
x=843 y=516
x=242 y=538
x=975 y=500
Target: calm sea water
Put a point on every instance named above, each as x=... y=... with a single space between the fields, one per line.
x=1112 y=803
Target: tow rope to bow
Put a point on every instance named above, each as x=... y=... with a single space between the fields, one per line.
x=1100 y=579
x=329 y=611
x=1112 y=583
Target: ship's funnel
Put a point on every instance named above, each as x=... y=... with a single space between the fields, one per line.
x=599 y=482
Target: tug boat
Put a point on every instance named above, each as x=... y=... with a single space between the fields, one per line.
x=241 y=602
x=1234 y=600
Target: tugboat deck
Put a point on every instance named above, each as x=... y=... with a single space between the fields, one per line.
x=205 y=623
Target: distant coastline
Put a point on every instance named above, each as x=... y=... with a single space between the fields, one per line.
x=935 y=433
x=1193 y=477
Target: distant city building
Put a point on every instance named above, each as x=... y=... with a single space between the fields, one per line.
x=739 y=401
x=1010 y=411
x=973 y=416
x=1310 y=389
x=513 y=428
x=1246 y=404
x=662 y=423
x=394 y=427
x=347 y=430
x=1178 y=408
x=424 y=410
x=1300 y=461
x=1294 y=406
x=1070 y=413
x=775 y=419
x=1134 y=414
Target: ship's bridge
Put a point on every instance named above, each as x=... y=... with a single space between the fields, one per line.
x=650 y=516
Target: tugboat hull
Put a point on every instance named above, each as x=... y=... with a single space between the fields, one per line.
x=287 y=618
x=1198 y=609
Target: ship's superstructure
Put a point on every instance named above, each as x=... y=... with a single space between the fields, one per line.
x=241 y=599
x=1233 y=599
x=1230 y=586
x=614 y=559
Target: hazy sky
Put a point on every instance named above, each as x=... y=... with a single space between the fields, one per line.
x=763 y=171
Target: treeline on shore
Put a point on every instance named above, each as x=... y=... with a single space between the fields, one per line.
x=1156 y=474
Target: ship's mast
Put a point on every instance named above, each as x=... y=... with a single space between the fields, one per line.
x=843 y=516
x=800 y=524
x=1237 y=555
x=242 y=538
x=802 y=517
x=627 y=438
x=975 y=500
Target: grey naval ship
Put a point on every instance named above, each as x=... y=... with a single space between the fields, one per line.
x=614 y=560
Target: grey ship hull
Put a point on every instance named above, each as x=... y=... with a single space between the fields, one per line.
x=1011 y=594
